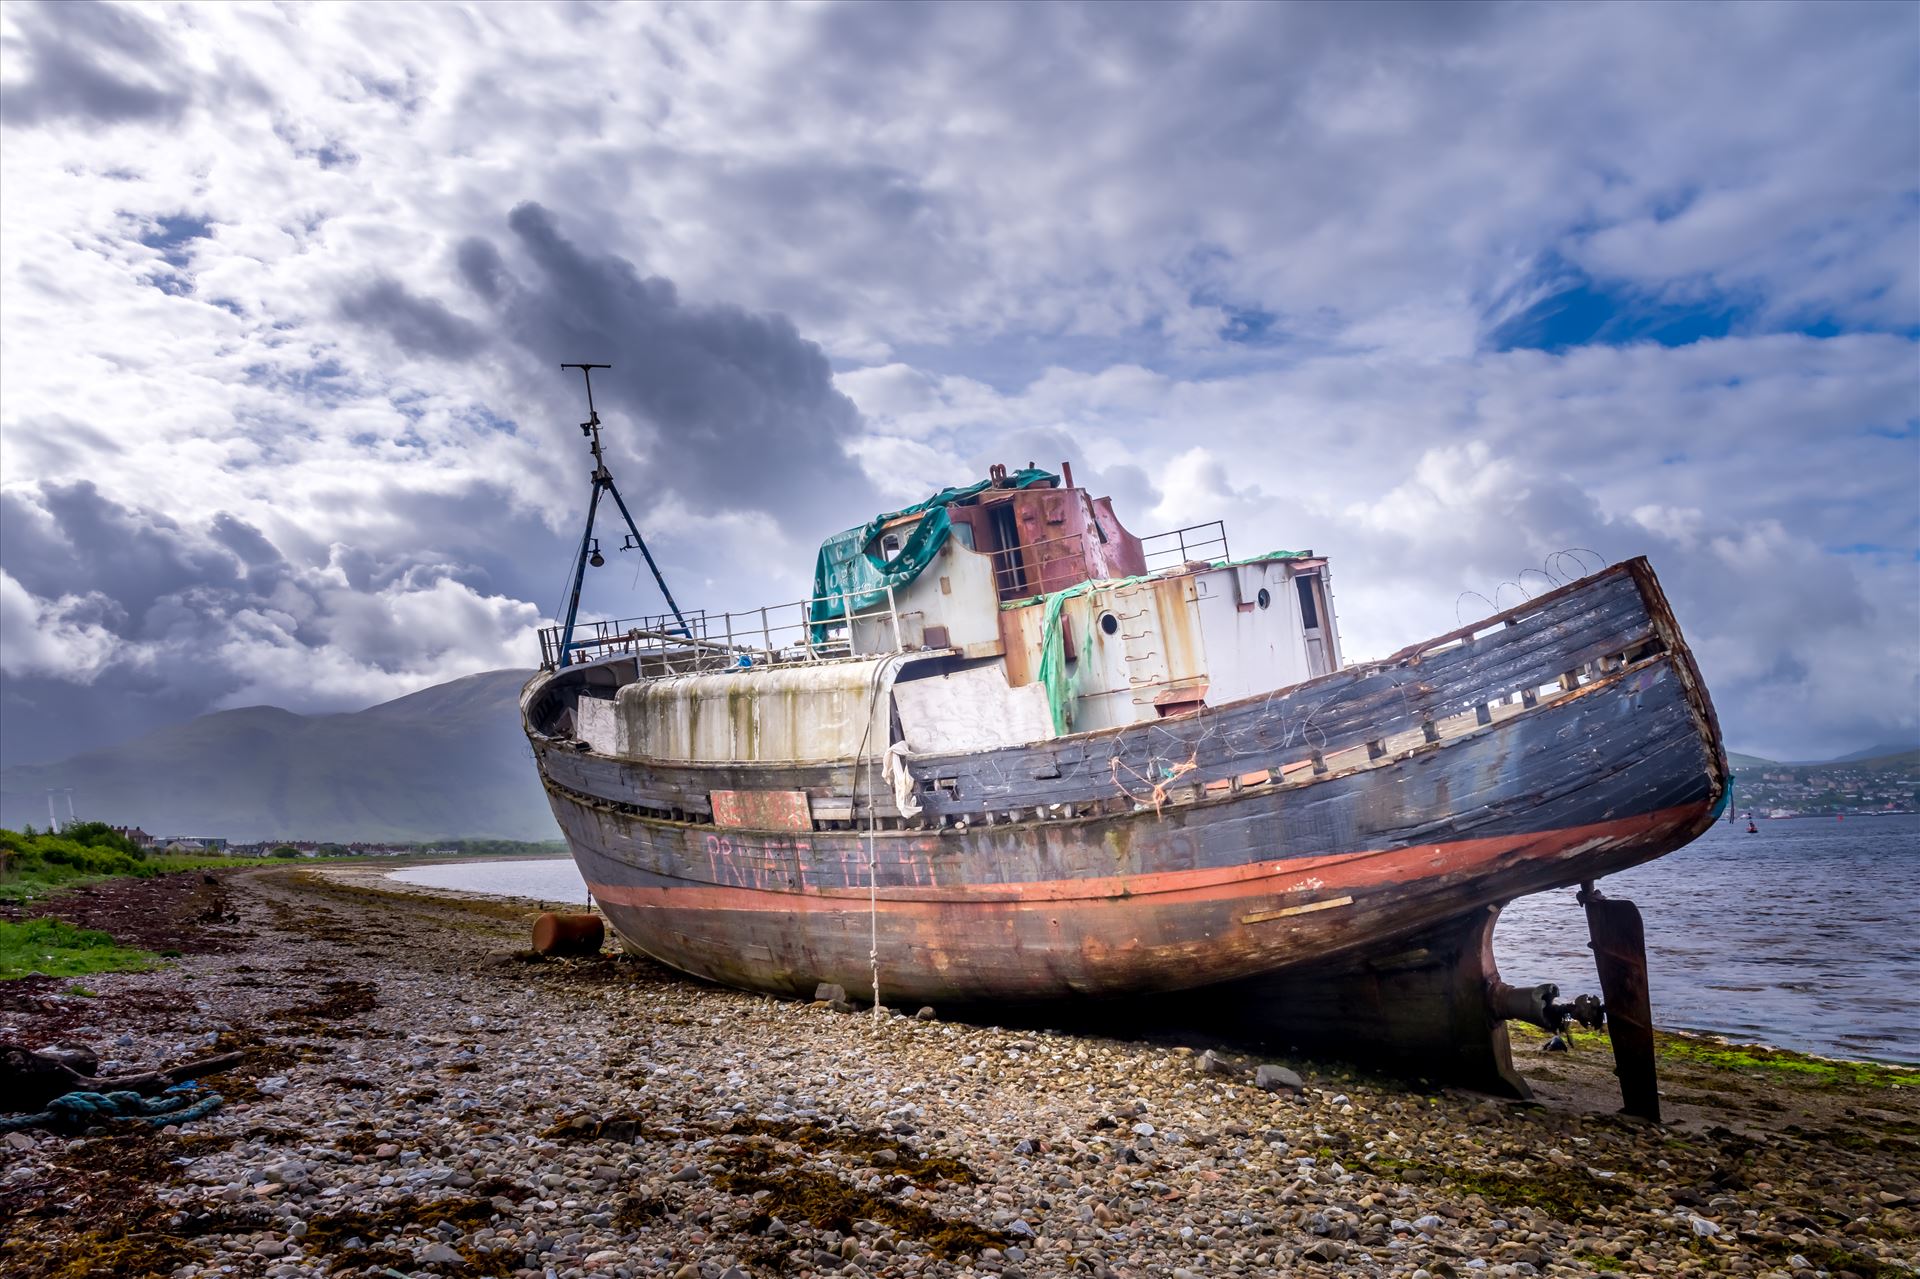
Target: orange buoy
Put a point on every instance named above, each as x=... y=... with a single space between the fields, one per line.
x=555 y=934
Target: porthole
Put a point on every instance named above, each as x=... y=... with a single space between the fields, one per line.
x=1263 y=599
x=1109 y=623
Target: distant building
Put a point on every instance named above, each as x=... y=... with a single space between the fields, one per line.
x=192 y=843
x=137 y=837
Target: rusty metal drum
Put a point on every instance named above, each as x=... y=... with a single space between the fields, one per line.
x=555 y=934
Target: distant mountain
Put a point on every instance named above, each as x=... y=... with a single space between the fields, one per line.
x=1898 y=761
x=447 y=761
x=1881 y=751
x=1881 y=756
x=1906 y=761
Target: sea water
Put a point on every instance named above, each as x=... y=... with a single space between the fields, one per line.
x=1800 y=935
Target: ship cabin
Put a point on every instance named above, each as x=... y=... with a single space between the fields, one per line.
x=1011 y=611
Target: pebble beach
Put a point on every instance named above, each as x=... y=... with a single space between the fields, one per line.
x=422 y=1096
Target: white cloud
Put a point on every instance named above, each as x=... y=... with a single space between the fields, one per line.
x=53 y=637
x=1231 y=260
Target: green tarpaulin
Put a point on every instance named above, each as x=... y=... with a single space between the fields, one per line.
x=847 y=574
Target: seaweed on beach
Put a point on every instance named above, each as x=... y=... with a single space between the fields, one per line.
x=338 y=1001
x=901 y=1159
x=1837 y=1260
x=383 y=1234
x=625 y=1129
x=97 y=1213
x=374 y=1241
x=828 y=1202
x=636 y=1211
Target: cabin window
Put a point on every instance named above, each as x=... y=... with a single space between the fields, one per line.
x=1006 y=527
x=890 y=545
x=1309 y=611
x=1109 y=623
x=1315 y=629
x=1009 y=567
x=1264 y=599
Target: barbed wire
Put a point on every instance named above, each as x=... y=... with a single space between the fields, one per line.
x=1554 y=568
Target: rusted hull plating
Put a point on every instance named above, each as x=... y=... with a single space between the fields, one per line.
x=1024 y=881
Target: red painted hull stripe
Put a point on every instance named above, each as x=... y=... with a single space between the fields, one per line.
x=1314 y=877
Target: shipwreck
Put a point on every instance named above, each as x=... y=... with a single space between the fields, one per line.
x=1008 y=752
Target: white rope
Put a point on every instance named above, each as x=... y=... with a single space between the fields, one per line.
x=873 y=893
x=861 y=756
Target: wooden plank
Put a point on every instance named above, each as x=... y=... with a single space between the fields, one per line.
x=762 y=809
x=1589 y=763
x=1305 y=908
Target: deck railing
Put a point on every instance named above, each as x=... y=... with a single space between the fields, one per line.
x=777 y=635
x=786 y=634
x=1178 y=546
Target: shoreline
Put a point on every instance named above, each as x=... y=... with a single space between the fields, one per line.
x=419 y=1098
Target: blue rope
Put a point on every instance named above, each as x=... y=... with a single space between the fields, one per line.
x=83 y=1109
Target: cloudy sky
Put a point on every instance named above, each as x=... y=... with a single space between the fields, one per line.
x=1438 y=290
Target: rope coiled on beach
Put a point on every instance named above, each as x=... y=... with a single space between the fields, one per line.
x=78 y=1110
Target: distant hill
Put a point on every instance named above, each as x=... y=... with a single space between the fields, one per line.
x=443 y=762
x=1883 y=751
x=1878 y=759
x=1907 y=761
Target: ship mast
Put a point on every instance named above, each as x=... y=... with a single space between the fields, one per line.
x=589 y=546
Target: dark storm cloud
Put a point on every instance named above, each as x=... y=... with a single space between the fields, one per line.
x=740 y=411
x=421 y=326
x=69 y=539
x=482 y=268
x=94 y=62
x=136 y=575
x=244 y=540
x=191 y=608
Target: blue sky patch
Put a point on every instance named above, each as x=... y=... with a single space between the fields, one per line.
x=1583 y=311
x=1249 y=325
x=172 y=234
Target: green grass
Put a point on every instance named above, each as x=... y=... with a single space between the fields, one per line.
x=58 y=949
x=29 y=883
x=1748 y=1059
x=1753 y=1058
x=1567 y=1194
x=35 y=865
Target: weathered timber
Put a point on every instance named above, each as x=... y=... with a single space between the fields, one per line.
x=1347 y=709
x=1620 y=952
x=1139 y=901
x=1466 y=786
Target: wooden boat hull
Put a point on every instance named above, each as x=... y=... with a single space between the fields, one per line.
x=1272 y=834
